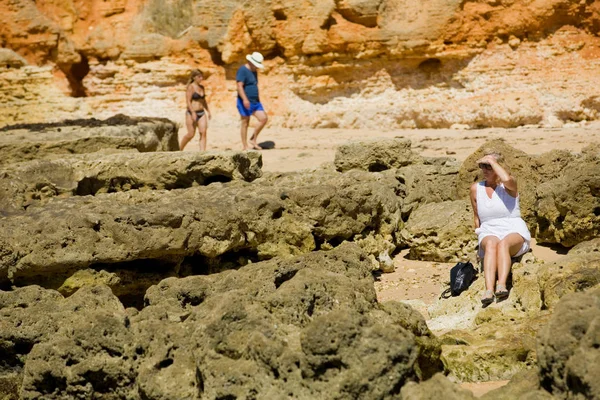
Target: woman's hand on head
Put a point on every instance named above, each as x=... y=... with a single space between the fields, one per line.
x=489 y=159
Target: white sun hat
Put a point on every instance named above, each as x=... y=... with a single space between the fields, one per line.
x=256 y=59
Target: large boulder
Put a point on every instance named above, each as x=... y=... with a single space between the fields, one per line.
x=304 y=327
x=573 y=273
x=24 y=184
x=440 y=232
x=155 y=230
x=569 y=348
x=568 y=207
x=375 y=155
x=430 y=182
x=46 y=141
x=33 y=316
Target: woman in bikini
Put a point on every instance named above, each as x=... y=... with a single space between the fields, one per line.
x=197 y=113
x=501 y=231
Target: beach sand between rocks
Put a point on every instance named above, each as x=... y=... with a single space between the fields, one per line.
x=417 y=282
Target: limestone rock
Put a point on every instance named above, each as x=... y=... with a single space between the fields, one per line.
x=568 y=207
x=157 y=229
x=11 y=59
x=431 y=182
x=589 y=246
x=572 y=273
x=435 y=388
x=375 y=155
x=568 y=351
x=524 y=385
x=311 y=332
x=440 y=232
x=496 y=342
x=32 y=316
x=34 y=182
x=395 y=313
x=42 y=141
x=501 y=344
x=305 y=327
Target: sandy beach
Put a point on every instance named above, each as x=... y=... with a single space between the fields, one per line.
x=297 y=149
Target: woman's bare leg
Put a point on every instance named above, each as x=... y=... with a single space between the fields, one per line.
x=191 y=130
x=202 y=128
x=490 y=259
x=507 y=247
x=262 y=121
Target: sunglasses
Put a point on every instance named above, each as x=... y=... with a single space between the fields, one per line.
x=485 y=166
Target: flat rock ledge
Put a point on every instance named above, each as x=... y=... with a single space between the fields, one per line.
x=26 y=142
x=146 y=230
x=36 y=182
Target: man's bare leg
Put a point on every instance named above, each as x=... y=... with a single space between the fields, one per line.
x=262 y=121
x=244 y=132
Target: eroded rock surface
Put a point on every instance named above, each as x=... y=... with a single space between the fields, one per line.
x=375 y=155
x=306 y=327
x=440 y=232
x=26 y=142
x=568 y=207
x=569 y=347
x=264 y=219
x=36 y=182
x=501 y=341
x=437 y=387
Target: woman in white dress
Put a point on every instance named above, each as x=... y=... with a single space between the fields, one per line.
x=501 y=231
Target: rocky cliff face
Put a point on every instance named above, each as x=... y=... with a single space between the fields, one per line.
x=333 y=63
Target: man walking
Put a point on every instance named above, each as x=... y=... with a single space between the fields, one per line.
x=248 y=101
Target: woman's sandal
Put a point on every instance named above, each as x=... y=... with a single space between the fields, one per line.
x=487 y=298
x=501 y=292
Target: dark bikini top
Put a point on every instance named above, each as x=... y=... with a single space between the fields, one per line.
x=197 y=96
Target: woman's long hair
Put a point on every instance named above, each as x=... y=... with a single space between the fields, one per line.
x=194 y=74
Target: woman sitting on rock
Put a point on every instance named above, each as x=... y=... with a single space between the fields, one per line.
x=501 y=231
x=197 y=113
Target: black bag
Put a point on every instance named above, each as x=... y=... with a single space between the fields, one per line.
x=461 y=276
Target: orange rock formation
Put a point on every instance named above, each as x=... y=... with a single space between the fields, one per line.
x=330 y=63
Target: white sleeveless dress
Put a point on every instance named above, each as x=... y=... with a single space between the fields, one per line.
x=500 y=216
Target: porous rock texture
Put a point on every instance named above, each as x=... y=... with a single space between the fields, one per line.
x=568 y=207
x=569 y=347
x=437 y=387
x=525 y=385
x=352 y=64
x=305 y=327
x=440 y=232
x=268 y=218
x=375 y=155
x=36 y=182
x=501 y=341
x=24 y=142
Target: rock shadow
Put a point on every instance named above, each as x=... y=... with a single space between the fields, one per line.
x=351 y=77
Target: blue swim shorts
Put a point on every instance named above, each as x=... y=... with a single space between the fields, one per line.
x=244 y=112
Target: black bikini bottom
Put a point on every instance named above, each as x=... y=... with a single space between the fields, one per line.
x=199 y=114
